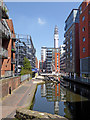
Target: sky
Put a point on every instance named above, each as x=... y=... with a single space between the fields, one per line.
x=38 y=19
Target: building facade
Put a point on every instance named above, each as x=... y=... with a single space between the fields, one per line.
x=53 y=60
x=24 y=48
x=50 y=56
x=72 y=43
x=62 y=59
x=7 y=43
x=84 y=31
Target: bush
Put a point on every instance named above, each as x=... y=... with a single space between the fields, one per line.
x=26 y=69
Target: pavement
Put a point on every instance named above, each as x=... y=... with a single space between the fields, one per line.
x=19 y=98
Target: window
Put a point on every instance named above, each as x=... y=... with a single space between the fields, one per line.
x=83 y=18
x=70 y=46
x=70 y=33
x=70 y=61
x=83 y=39
x=83 y=29
x=67 y=49
x=89 y=23
x=70 y=54
x=80 y=9
x=89 y=12
x=84 y=49
x=67 y=42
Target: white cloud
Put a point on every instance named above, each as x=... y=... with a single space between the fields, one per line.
x=40 y=21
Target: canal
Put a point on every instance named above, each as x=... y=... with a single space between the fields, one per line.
x=68 y=99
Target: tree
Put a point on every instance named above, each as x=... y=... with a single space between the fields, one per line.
x=26 y=69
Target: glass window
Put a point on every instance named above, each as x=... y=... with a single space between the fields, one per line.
x=67 y=49
x=83 y=29
x=70 y=46
x=70 y=61
x=83 y=39
x=84 y=49
x=70 y=33
x=89 y=23
x=67 y=42
x=89 y=12
x=80 y=9
x=70 y=54
x=83 y=18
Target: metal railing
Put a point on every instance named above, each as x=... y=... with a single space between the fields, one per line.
x=79 y=79
x=24 y=77
x=3 y=53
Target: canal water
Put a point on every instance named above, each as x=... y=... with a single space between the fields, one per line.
x=68 y=99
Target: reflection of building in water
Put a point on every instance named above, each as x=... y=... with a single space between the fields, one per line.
x=53 y=93
x=43 y=90
x=56 y=107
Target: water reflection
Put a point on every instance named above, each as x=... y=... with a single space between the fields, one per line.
x=71 y=101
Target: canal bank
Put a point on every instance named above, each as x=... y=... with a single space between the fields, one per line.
x=26 y=113
x=81 y=81
x=21 y=100
x=71 y=102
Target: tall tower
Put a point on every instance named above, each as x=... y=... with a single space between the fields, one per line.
x=56 y=37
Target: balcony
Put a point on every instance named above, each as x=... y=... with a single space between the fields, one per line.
x=4 y=9
x=13 y=61
x=4 y=29
x=3 y=53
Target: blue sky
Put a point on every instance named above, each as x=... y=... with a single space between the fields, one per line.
x=39 y=20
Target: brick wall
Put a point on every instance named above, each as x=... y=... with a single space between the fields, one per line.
x=12 y=82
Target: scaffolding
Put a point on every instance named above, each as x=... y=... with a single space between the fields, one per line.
x=24 y=48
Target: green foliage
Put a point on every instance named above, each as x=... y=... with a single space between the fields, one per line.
x=26 y=69
x=5 y=9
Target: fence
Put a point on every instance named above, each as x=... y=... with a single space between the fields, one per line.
x=24 y=77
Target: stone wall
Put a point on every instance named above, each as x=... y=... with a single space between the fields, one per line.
x=25 y=114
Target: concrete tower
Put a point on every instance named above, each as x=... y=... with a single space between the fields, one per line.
x=56 y=37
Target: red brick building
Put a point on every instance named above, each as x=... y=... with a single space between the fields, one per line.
x=72 y=43
x=84 y=36
x=7 y=46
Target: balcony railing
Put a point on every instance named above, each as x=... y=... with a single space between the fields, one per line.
x=5 y=11
x=5 y=29
x=3 y=53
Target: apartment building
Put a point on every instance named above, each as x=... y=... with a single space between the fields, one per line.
x=72 y=43
x=53 y=60
x=24 y=48
x=50 y=56
x=43 y=58
x=40 y=66
x=62 y=59
x=84 y=36
x=7 y=43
